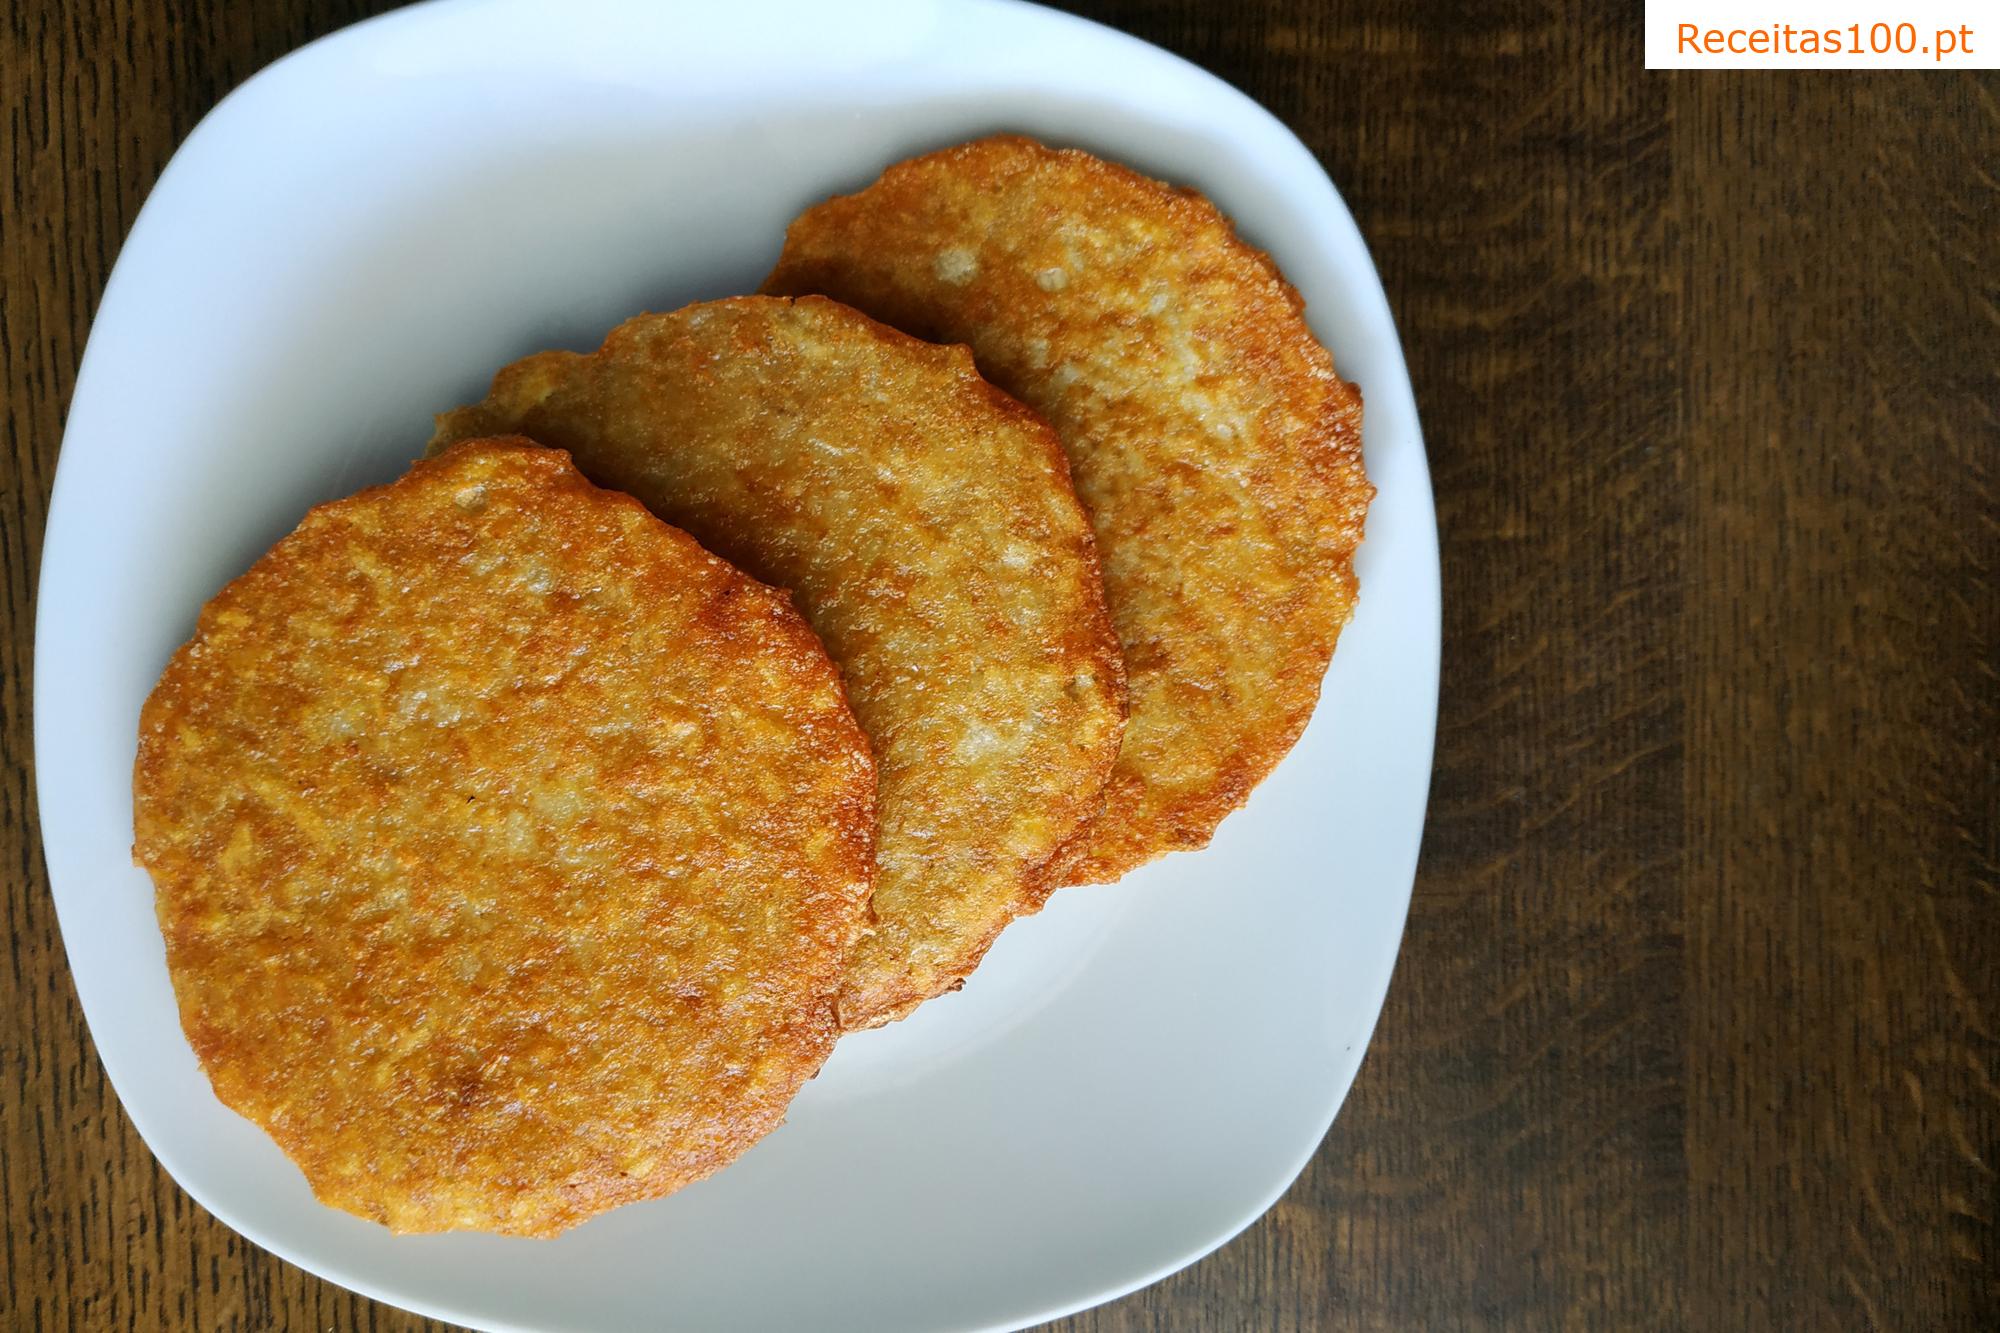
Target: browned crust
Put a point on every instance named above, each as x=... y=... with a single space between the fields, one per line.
x=926 y=524
x=508 y=847
x=1218 y=451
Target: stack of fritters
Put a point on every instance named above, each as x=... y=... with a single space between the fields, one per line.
x=518 y=857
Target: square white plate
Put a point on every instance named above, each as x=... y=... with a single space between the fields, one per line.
x=354 y=240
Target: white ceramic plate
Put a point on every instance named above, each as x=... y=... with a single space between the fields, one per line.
x=354 y=240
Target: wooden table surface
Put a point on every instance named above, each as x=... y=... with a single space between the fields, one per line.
x=1697 y=1023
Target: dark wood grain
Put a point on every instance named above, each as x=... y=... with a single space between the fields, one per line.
x=1698 y=1020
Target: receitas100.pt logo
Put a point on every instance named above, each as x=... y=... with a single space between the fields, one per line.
x=1823 y=34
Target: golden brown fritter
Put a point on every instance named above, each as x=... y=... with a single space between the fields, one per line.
x=926 y=524
x=1217 y=451
x=508 y=847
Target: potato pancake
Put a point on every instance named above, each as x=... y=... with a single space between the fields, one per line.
x=926 y=525
x=509 y=847
x=1216 y=450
